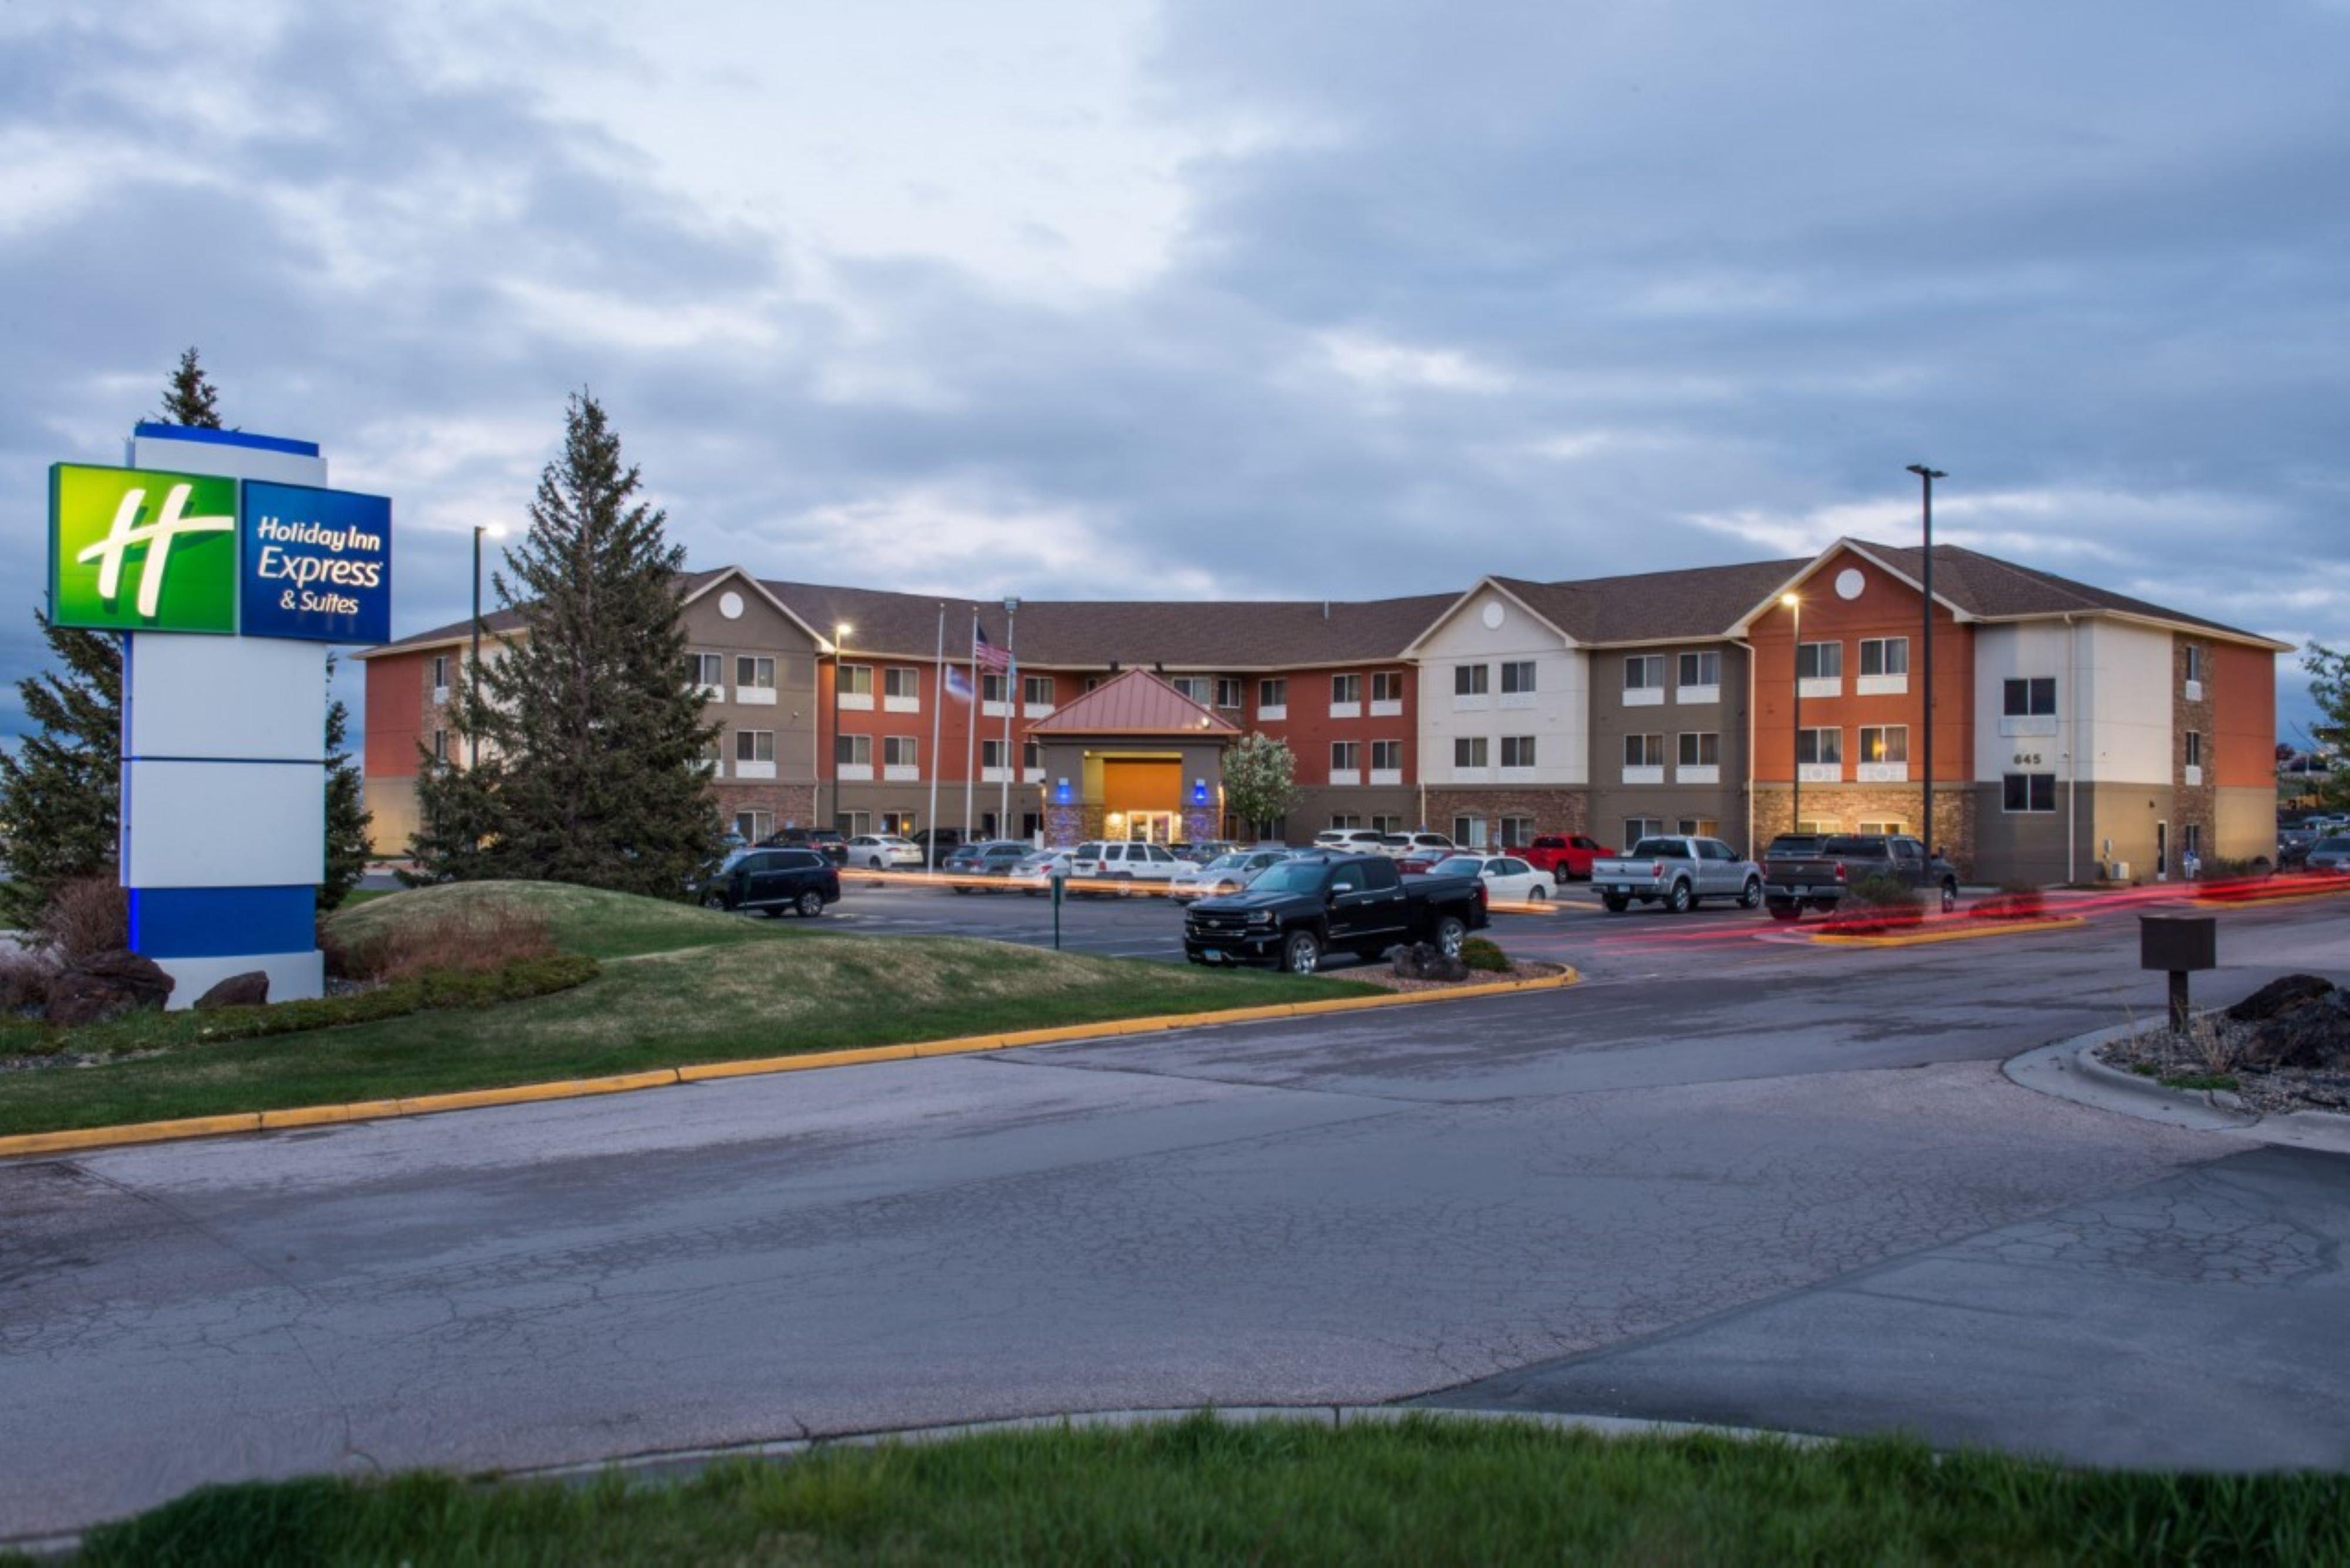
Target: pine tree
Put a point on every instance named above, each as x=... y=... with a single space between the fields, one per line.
x=190 y=397
x=60 y=792
x=347 y=813
x=590 y=739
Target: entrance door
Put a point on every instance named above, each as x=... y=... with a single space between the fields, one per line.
x=2162 y=852
x=1150 y=826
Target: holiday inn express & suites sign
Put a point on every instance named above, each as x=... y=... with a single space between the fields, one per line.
x=149 y=550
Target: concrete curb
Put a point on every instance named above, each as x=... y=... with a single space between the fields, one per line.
x=2263 y=901
x=1972 y=932
x=80 y=1140
x=2069 y=1070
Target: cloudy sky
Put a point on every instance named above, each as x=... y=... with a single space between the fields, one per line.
x=1107 y=298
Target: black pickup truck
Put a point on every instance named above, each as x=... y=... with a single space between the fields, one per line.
x=1299 y=909
x=1800 y=872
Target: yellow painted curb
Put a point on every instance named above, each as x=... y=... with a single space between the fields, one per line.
x=2264 y=900
x=82 y=1138
x=1964 y=934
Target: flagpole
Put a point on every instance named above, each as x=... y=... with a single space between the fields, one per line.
x=1011 y=704
x=970 y=734
x=938 y=714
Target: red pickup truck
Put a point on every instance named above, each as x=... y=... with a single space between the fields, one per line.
x=1566 y=856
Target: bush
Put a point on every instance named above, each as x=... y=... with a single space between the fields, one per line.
x=472 y=937
x=2013 y=901
x=2220 y=868
x=23 y=979
x=1479 y=952
x=1875 y=903
x=85 y=917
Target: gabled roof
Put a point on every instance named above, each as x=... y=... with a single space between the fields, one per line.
x=1652 y=607
x=1134 y=703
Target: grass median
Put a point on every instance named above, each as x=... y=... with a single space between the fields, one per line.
x=1201 y=1490
x=678 y=985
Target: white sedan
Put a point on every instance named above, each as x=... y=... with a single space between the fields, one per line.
x=1034 y=872
x=1508 y=879
x=885 y=852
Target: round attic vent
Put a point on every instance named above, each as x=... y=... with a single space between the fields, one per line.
x=1492 y=614
x=1849 y=583
x=730 y=604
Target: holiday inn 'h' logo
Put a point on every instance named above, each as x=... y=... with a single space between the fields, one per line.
x=137 y=550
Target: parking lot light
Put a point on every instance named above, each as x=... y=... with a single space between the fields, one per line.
x=1795 y=740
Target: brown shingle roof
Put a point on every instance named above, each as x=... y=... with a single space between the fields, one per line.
x=1986 y=586
x=1653 y=607
x=1133 y=703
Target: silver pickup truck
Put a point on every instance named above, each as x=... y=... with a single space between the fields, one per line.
x=1677 y=872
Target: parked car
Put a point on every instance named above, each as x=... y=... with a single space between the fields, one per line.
x=1422 y=862
x=1034 y=873
x=1507 y=878
x=938 y=844
x=1794 y=882
x=1303 y=908
x=1566 y=856
x=1675 y=871
x=1351 y=841
x=994 y=857
x=884 y=851
x=770 y=881
x=2329 y=855
x=1109 y=861
x=1224 y=873
x=1412 y=845
x=828 y=842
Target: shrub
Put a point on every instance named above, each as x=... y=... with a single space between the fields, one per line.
x=470 y=937
x=2222 y=869
x=85 y=917
x=2013 y=901
x=23 y=979
x=1875 y=903
x=1479 y=952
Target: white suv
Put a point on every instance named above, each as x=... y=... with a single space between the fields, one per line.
x=1410 y=846
x=1109 y=860
x=1351 y=841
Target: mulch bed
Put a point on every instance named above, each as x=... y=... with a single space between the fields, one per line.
x=1380 y=975
x=2265 y=1090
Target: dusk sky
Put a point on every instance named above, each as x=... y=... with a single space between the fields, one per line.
x=1120 y=300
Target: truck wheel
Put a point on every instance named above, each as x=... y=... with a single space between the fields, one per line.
x=1450 y=932
x=1751 y=897
x=1613 y=904
x=1785 y=909
x=1950 y=895
x=1301 y=952
x=1681 y=901
x=810 y=904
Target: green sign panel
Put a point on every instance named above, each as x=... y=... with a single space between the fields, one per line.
x=138 y=550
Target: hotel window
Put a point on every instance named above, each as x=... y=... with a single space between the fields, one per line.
x=848 y=751
x=2194 y=748
x=1881 y=827
x=759 y=745
x=440 y=672
x=1700 y=749
x=1469 y=679
x=1346 y=756
x=1036 y=690
x=1228 y=692
x=1195 y=686
x=1469 y=832
x=1644 y=751
x=1386 y=757
x=1885 y=656
x=901 y=823
x=1517 y=751
x=993 y=685
x=991 y=754
x=2028 y=792
x=900 y=680
x=1468 y=752
x=1272 y=693
x=1517 y=676
x=1819 y=662
x=1636 y=828
x=1644 y=672
x=2031 y=698
x=707 y=669
x=2194 y=661
x=1700 y=669
x=1386 y=824
x=1092 y=681
x=1346 y=689
x=754 y=824
x=757 y=674
x=1517 y=832
x=1386 y=685
x=901 y=752
x=1031 y=756
x=2192 y=839
x=856 y=681
x=1818 y=746
x=440 y=745
x=1698 y=827
x=1885 y=742
x=1345 y=819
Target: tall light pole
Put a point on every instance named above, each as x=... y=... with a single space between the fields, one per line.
x=473 y=661
x=840 y=645
x=1795 y=740
x=1010 y=705
x=1925 y=477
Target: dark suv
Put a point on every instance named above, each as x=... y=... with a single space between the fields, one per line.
x=770 y=881
x=828 y=842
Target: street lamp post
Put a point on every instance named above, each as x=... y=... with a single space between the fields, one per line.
x=839 y=646
x=1010 y=705
x=473 y=660
x=1795 y=740
x=1925 y=477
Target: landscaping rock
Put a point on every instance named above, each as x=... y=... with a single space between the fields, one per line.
x=1422 y=961
x=250 y=989
x=2312 y=1037
x=2280 y=995
x=107 y=986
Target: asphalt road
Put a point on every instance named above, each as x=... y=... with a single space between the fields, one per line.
x=1730 y=1179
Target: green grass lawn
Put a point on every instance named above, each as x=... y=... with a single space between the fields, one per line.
x=680 y=985
x=1425 y=1491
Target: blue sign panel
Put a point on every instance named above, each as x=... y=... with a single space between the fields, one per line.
x=317 y=564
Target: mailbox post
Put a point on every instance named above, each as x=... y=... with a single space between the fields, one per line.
x=2177 y=945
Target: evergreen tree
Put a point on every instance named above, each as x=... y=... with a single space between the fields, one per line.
x=190 y=397
x=60 y=792
x=2329 y=687
x=1260 y=780
x=590 y=740
x=347 y=815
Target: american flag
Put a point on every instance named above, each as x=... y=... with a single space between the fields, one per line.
x=990 y=656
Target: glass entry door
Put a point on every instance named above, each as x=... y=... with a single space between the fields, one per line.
x=1150 y=826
